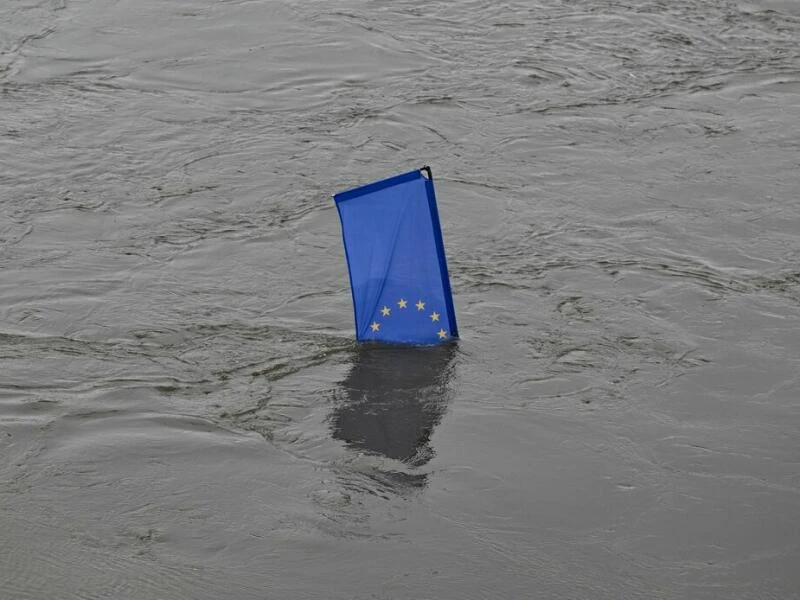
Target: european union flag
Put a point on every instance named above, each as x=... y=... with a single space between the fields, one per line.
x=395 y=255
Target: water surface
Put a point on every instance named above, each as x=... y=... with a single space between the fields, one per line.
x=183 y=413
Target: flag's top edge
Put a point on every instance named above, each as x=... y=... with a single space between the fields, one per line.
x=376 y=186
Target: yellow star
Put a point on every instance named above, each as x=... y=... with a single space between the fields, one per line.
x=434 y=316
x=442 y=334
x=420 y=305
x=375 y=326
x=385 y=311
x=403 y=303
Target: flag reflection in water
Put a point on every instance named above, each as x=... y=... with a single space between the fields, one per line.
x=393 y=398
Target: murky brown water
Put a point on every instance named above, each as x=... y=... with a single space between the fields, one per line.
x=183 y=413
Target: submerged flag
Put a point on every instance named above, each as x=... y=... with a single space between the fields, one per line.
x=395 y=255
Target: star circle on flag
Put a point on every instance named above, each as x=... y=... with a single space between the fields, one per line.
x=420 y=305
x=403 y=303
x=385 y=311
x=375 y=326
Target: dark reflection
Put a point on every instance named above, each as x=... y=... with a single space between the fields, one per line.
x=392 y=399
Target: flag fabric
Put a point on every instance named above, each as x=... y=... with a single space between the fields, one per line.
x=395 y=256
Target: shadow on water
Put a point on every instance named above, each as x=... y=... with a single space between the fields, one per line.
x=392 y=399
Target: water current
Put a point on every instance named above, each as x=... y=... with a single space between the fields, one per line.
x=183 y=411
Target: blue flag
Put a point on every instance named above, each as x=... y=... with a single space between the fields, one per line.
x=395 y=255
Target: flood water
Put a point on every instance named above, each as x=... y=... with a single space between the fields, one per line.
x=183 y=411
